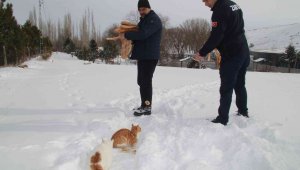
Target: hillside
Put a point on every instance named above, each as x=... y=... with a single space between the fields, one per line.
x=274 y=39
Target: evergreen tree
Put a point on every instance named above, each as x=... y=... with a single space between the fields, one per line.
x=19 y=42
x=69 y=46
x=47 y=45
x=93 y=50
x=83 y=54
x=93 y=45
x=11 y=34
x=297 y=58
x=32 y=38
x=110 y=48
x=2 y=32
x=290 y=55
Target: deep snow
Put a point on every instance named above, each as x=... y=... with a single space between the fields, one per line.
x=54 y=114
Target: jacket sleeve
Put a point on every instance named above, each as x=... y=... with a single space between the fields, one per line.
x=153 y=25
x=217 y=33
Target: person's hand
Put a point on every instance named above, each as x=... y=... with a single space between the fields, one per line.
x=198 y=57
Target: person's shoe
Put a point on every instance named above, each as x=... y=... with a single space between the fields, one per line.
x=243 y=114
x=218 y=120
x=142 y=111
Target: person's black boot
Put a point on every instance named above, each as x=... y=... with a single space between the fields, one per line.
x=245 y=114
x=219 y=120
x=142 y=111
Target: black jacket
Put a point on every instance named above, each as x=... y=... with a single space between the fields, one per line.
x=146 y=42
x=228 y=34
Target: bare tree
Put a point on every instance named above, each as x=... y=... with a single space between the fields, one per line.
x=51 y=31
x=67 y=26
x=84 y=32
x=165 y=21
x=133 y=16
x=60 y=36
x=94 y=33
x=98 y=36
x=33 y=17
x=177 y=38
x=196 y=32
x=165 y=47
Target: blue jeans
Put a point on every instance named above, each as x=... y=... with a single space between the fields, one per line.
x=232 y=74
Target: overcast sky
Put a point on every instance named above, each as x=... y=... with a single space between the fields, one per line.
x=257 y=13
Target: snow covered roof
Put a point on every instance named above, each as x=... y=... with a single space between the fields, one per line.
x=259 y=60
x=184 y=59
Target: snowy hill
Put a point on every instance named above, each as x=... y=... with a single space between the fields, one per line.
x=55 y=113
x=274 y=39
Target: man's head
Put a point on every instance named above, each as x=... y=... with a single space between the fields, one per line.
x=209 y=3
x=144 y=7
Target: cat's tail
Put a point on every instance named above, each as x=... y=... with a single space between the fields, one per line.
x=96 y=167
x=95 y=161
x=127 y=148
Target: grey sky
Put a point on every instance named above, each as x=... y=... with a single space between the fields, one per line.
x=257 y=13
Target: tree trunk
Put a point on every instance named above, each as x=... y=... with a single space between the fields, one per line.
x=5 y=58
x=17 y=57
x=28 y=52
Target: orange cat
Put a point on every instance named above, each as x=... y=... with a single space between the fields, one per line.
x=125 y=138
x=95 y=159
x=126 y=45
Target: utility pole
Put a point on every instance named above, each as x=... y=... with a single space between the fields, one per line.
x=41 y=2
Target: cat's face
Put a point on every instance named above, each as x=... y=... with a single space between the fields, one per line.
x=136 y=128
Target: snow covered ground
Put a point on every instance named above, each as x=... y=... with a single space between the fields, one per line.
x=54 y=114
x=274 y=39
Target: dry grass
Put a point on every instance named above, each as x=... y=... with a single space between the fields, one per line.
x=46 y=56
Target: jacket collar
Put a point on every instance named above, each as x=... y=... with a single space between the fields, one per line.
x=150 y=13
x=218 y=3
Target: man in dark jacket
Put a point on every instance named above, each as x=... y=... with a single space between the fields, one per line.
x=228 y=36
x=146 y=50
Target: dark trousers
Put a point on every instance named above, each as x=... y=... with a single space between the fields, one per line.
x=146 y=70
x=232 y=74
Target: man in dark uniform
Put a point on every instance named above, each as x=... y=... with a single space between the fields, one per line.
x=146 y=51
x=228 y=36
